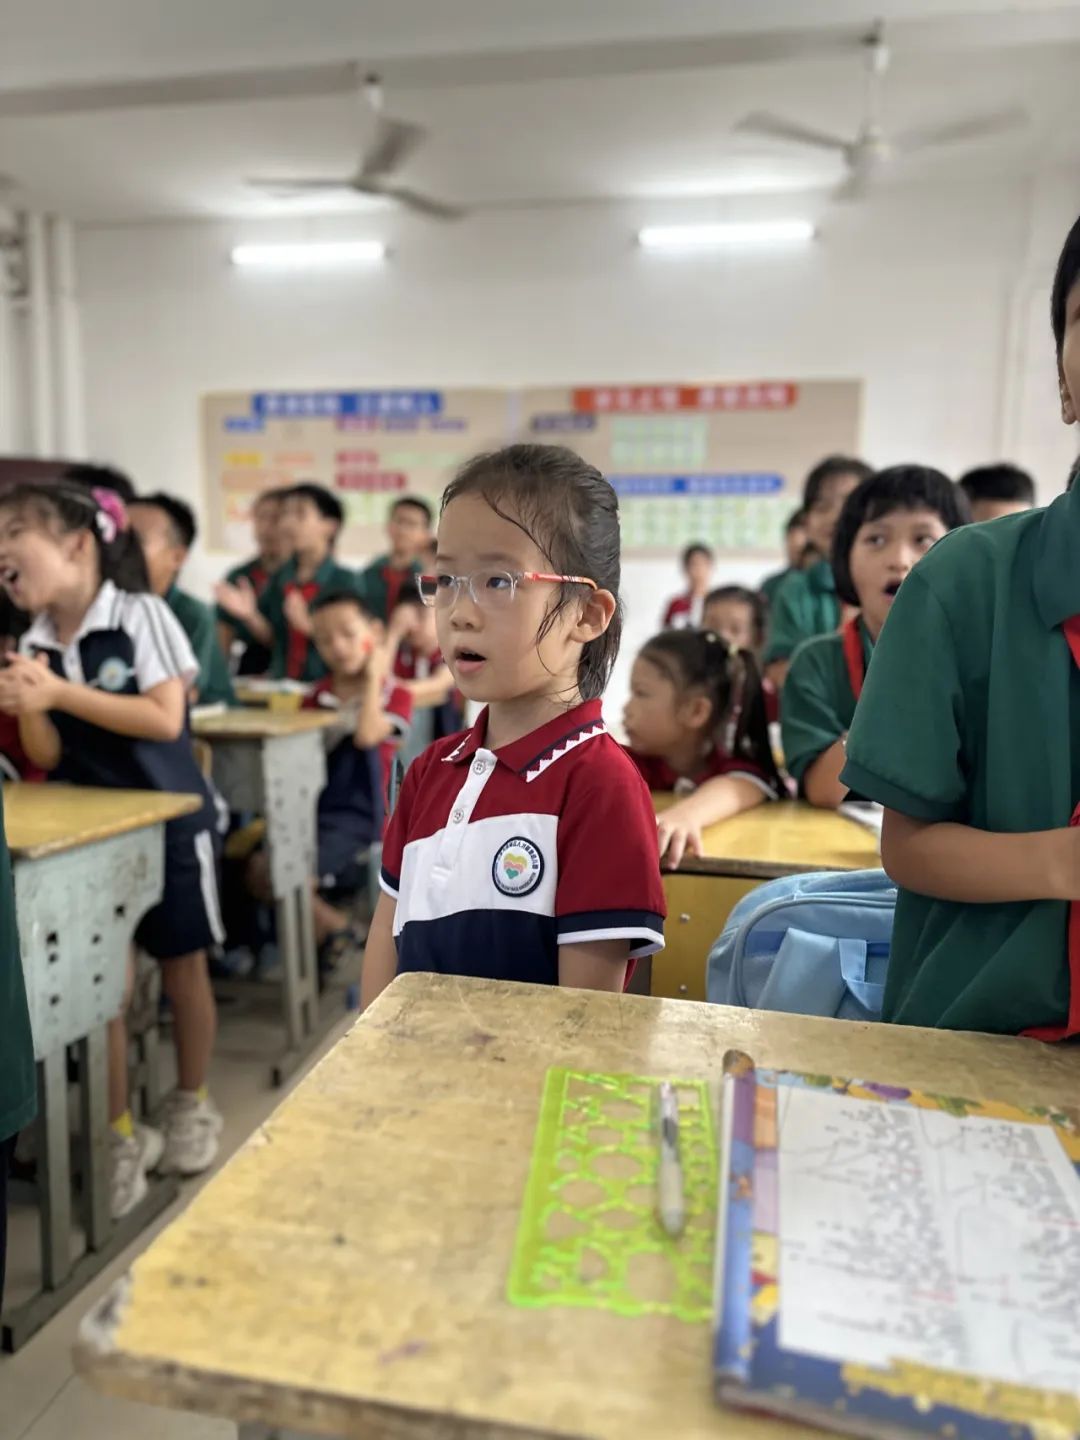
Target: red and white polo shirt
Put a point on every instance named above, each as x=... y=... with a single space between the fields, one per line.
x=496 y=858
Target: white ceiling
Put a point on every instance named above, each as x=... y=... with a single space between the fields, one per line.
x=525 y=99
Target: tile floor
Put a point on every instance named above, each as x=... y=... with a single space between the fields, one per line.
x=41 y=1398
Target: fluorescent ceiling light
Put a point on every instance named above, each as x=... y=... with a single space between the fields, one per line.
x=726 y=236
x=309 y=255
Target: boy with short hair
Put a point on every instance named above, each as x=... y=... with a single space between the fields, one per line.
x=805 y=604
x=794 y=546
x=166 y=530
x=683 y=612
x=375 y=713
x=311 y=519
x=408 y=529
x=968 y=732
x=271 y=554
x=418 y=662
x=996 y=490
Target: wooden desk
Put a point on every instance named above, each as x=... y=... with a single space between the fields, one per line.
x=346 y=1273
x=87 y=864
x=786 y=838
x=273 y=763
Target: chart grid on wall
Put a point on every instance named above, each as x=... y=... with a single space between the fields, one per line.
x=721 y=461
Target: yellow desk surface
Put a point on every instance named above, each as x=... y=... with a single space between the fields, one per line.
x=346 y=1273
x=47 y=819
x=260 y=724
x=784 y=838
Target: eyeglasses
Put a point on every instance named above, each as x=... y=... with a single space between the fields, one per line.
x=489 y=589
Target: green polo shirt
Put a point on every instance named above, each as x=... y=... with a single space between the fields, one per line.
x=381 y=584
x=329 y=576
x=818 y=703
x=197 y=622
x=18 y=1083
x=971 y=713
x=256 y=658
x=805 y=605
x=772 y=583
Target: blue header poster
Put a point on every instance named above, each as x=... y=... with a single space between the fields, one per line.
x=368 y=446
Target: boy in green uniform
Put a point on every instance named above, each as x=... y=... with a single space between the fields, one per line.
x=794 y=545
x=408 y=529
x=311 y=519
x=166 y=529
x=887 y=524
x=805 y=604
x=997 y=490
x=258 y=572
x=968 y=732
x=18 y=1082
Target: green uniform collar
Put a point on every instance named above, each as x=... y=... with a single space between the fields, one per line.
x=820 y=577
x=1057 y=570
x=326 y=572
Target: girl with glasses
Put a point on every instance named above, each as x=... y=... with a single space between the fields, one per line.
x=524 y=849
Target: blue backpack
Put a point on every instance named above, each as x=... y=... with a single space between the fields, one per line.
x=808 y=944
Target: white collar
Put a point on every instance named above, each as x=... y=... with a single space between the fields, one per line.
x=101 y=615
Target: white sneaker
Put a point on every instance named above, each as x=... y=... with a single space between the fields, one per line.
x=128 y=1184
x=151 y=1144
x=192 y=1128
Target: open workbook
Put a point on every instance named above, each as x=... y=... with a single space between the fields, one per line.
x=891 y=1263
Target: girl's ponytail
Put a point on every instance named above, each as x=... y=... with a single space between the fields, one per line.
x=732 y=680
x=746 y=720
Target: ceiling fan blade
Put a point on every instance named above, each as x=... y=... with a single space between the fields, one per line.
x=855 y=187
x=775 y=127
x=395 y=141
x=975 y=127
x=413 y=200
x=295 y=184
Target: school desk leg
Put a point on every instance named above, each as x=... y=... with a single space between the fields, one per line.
x=94 y=1136
x=55 y=1170
x=296 y=942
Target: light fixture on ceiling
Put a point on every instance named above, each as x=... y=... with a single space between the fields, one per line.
x=746 y=235
x=309 y=255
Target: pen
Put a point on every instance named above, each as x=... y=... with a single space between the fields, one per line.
x=671 y=1204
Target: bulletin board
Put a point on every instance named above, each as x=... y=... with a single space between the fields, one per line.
x=722 y=462
x=365 y=445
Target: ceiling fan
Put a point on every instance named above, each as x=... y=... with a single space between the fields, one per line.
x=394 y=142
x=871 y=149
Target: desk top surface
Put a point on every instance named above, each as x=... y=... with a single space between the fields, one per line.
x=783 y=838
x=47 y=819
x=346 y=1273
x=260 y=724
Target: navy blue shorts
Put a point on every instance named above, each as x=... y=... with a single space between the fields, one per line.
x=188 y=917
x=340 y=863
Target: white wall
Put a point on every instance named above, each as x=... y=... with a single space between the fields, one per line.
x=934 y=298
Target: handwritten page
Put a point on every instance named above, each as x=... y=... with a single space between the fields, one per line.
x=917 y=1235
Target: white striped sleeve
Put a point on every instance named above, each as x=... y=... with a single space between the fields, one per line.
x=162 y=650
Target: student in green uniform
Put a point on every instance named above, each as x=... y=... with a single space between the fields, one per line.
x=271 y=554
x=18 y=1082
x=311 y=519
x=887 y=524
x=805 y=604
x=166 y=530
x=968 y=732
x=408 y=528
x=794 y=545
x=997 y=490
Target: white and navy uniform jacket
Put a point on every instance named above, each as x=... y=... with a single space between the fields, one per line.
x=126 y=645
x=497 y=858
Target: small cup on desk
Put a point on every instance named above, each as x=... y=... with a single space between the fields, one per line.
x=285 y=702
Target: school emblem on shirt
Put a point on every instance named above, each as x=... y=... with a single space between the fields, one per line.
x=113 y=675
x=518 y=868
